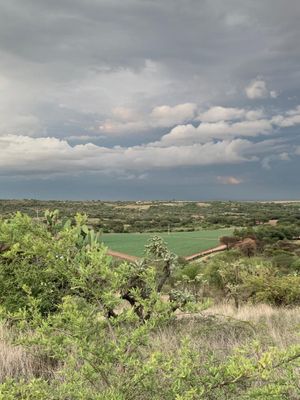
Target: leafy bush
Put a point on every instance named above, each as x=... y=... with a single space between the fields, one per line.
x=295 y=266
x=276 y=290
x=255 y=280
x=283 y=260
x=35 y=262
x=190 y=271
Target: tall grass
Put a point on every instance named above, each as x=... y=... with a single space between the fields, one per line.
x=279 y=326
x=17 y=363
x=220 y=329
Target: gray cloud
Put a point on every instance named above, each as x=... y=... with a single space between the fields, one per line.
x=150 y=84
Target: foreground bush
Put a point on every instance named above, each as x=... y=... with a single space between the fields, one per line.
x=100 y=358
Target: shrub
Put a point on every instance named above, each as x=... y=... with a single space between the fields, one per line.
x=277 y=290
x=35 y=261
x=253 y=280
x=283 y=261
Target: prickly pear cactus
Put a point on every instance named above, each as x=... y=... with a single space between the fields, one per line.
x=52 y=218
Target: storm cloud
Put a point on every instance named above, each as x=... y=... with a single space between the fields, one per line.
x=128 y=88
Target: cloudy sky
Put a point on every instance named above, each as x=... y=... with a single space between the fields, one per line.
x=137 y=99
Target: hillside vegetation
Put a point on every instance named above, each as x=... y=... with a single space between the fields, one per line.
x=76 y=324
x=162 y=216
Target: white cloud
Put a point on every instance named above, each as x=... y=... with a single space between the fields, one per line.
x=113 y=127
x=221 y=139
x=266 y=161
x=273 y=94
x=255 y=114
x=284 y=156
x=222 y=123
x=295 y=111
x=206 y=131
x=126 y=120
x=257 y=89
x=125 y=113
x=24 y=154
x=218 y=113
x=229 y=180
x=290 y=118
x=166 y=115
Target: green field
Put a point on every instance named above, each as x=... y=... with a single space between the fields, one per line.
x=181 y=243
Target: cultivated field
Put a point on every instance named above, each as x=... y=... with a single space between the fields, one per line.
x=181 y=243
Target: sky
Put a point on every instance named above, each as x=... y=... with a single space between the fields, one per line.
x=150 y=99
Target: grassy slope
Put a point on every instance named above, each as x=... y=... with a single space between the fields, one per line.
x=182 y=243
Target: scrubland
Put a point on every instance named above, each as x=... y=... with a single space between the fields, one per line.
x=77 y=325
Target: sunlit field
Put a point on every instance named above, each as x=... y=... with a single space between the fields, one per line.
x=181 y=243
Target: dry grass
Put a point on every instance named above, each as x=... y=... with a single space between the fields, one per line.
x=135 y=207
x=280 y=325
x=254 y=313
x=203 y=204
x=17 y=363
x=221 y=329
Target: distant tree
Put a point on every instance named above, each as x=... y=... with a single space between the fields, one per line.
x=229 y=241
x=117 y=227
x=248 y=247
